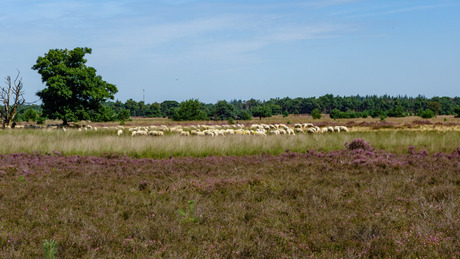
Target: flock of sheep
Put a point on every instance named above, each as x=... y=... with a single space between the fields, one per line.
x=237 y=129
x=216 y=130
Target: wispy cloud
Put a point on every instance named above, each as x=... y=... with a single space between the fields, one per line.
x=389 y=10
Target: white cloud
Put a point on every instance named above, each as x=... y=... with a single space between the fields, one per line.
x=389 y=10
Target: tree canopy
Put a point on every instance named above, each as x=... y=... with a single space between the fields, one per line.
x=74 y=91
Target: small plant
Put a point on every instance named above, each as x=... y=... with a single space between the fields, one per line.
x=285 y=114
x=457 y=111
x=288 y=122
x=122 y=122
x=231 y=121
x=41 y=120
x=49 y=247
x=316 y=114
x=358 y=143
x=21 y=178
x=427 y=114
x=143 y=185
x=189 y=216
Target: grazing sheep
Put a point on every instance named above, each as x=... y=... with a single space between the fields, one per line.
x=259 y=133
x=343 y=128
x=119 y=132
x=274 y=132
x=139 y=133
x=330 y=129
x=185 y=133
x=156 y=133
x=290 y=132
x=299 y=130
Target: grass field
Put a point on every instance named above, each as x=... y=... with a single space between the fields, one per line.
x=102 y=142
x=392 y=192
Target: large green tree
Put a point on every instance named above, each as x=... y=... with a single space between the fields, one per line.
x=190 y=110
x=74 y=91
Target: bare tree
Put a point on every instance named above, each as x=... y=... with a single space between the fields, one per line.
x=12 y=96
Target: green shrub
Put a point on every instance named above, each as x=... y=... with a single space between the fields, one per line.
x=427 y=114
x=30 y=115
x=49 y=247
x=316 y=114
x=285 y=114
x=457 y=111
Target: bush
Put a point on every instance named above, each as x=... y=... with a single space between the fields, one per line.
x=41 y=120
x=244 y=115
x=358 y=143
x=427 y=114
x=285 y=114
x=335 y=114
x=457 y=111
x=123 y=115
x=316 y=114
x=30 y=115
x=190 y=110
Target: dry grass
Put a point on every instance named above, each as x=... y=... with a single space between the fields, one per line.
x=73 y=142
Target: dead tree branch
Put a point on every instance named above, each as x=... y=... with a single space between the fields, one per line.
x=12 y=96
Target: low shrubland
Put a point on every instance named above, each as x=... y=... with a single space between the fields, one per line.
x=355 y=201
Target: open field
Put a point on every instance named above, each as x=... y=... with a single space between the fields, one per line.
x=393 y=135
x=73 y=142
x=392 y=191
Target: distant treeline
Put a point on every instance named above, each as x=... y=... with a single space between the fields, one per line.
x=336 y=106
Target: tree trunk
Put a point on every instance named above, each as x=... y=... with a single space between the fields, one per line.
x=12 y=98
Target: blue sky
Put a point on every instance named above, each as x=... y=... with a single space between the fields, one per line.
x=242 y=49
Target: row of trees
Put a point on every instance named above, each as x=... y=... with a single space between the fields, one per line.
x=193 y=109
x=336 y=106
x=75 y=92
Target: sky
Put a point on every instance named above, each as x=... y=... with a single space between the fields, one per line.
x=241 y=49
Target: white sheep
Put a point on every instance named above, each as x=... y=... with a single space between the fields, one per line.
x=343 y=128
x=119 y=132
x=299 y=130
x=259 y=133
x=185 y=133
x=274 y=132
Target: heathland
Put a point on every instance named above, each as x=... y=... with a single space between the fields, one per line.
x=383 y=189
